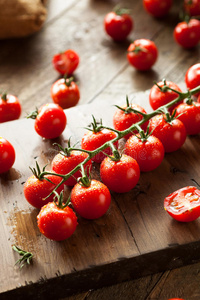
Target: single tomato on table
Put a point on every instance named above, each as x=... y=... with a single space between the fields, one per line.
x=159 y=94
x=65 y=162
x=189 y=115
x=66 y=62
x=65 y=92
x=157 y=8
x=118 y=24
x=184 y=204
x=120 y=175
x=124 y=117
x=192 y=77
x=148 y=152
x=10 y=108
x=92 y=201
x=57 y=221
x=7 y=155
x=142 y=54
x=50 y=120
x=187 y=34
x=171 y=133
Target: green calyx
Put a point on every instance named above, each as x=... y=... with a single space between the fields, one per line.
x=121 y=11
x=96 y=126
x=26 y=257
x=68 y=81
x=59 y=200
x=4 y=96
x=33 y=115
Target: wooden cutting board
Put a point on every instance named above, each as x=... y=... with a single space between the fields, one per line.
x=135 y=238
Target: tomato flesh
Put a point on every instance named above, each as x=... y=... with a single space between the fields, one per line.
x=184 y=204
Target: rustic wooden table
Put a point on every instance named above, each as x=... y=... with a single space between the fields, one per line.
x=136 y=250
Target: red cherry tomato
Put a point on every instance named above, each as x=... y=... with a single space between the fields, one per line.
x=91 y=202
x=184 y=204
x=118 y=24
x=120 y=176
x=171 y=134
x=158 y=98
x=50 y=121
x=175 y=299
x=56 y=223
x=10 y=108
x=157 y=8
x=63 y=164
x=36 y=190
x=189 y=114
x=192 y=77
x=65 y=92
x=93 y=140
x=148 y=153
x=7 y=155
x=66 y=62
x=142 y=54
x=124 y=118
x=192 y=7
x=187 y=34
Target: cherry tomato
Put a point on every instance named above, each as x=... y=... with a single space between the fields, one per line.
x=192 y=77
x=56 y=223
x=192 y=7
x=124 y=118
x=66 y=62
x=148 y=153
x=36 y=190
x=175 y=299
x=118 y=24
x=65 y=92
x=120 y=176
x=184 y=204
x=157 y=8
x=7 y=155
x=10 y=108
x=189 y=114
x=50 y=121
x=91 y=202
x=63 y=164
x=187 y=34
x=93 y=140
x=142 y=54
x=158 y=98
x=172 y=134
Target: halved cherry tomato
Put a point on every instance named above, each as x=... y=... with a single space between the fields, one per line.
x=118 y=24
x=66 y=62
x=121 y=175
x=10 y=108
x=187 y=34
x=65 y=92
x=184 y=204
x=142 y=54
x=7 y=155
x=157 y=8
x=91 y=202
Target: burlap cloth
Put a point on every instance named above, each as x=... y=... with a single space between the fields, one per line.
x=20 y=18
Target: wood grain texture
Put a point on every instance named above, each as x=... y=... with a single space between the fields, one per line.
x=136 y=237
